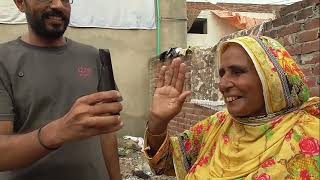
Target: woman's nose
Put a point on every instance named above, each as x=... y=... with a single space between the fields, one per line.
x=225 y=83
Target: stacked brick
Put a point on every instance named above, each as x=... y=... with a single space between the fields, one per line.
x=237 y=7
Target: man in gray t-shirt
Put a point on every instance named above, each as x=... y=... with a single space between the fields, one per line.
x=53 y=123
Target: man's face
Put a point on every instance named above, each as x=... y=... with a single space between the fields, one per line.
x=48 y=20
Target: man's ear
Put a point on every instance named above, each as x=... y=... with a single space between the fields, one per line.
x=20 y=5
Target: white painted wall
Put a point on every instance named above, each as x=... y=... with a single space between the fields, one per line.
x=218 y=28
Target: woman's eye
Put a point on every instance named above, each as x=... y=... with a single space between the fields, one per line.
x=221 y=72
x=238 y=71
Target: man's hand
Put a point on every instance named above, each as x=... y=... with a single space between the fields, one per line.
x=90 y=115
x=169 y=96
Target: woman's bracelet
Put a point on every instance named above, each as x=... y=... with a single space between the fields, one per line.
x=155 y=135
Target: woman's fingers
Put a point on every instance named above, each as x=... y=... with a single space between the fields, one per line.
x=172 y=75
x=160 y=81
x=176 y=64
x=181 y=77
x=168 y=75
x=183 y=96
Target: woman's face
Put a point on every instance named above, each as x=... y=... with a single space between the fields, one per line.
x=240 y=83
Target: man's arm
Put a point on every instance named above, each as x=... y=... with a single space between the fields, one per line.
x=109 y=145
x=88 y=117
x=18 y=151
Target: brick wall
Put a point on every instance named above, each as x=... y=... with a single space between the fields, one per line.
x=203 y=6
x=297 y=28
x=237 y=7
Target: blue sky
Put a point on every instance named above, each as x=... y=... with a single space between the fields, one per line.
x=249 y=1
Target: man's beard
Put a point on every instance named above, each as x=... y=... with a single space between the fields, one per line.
x=39 y=27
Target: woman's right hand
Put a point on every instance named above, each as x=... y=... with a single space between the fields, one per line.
x=169 y=96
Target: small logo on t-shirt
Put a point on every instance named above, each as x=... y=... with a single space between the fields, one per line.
x=84 y=72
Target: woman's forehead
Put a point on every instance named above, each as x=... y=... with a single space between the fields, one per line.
x=235 y=54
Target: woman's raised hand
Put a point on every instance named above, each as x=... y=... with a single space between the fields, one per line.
x=169 y=96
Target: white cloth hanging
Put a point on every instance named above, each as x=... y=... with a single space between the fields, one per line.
x=120 y=14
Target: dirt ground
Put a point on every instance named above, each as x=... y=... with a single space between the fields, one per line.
x=134 y=165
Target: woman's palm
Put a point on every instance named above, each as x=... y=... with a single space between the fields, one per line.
x=169 y=96
x=165 y=102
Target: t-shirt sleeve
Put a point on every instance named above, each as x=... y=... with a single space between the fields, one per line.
x=6 y=105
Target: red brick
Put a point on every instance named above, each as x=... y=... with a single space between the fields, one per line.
x=288 y=19
x=187 y=126
x=191 y=116
x=171 y=131
x=180 y=124
x=303 y=14
x=308 y=35
x=311 y=46
x=307 y=70
x=315 y=91
x=181 y=114
x=277 y=22
x=187 y=110
x=311 y=58
x=306 y=3
x=293 y=7
x=197 y=111
x=236 y=7
x=202 y=117
x=189 y=105
x=184 y=127
x=272 y=33
x=294 y=49
x=289 y=29
x=316 y=69
x=207 y=112
x=288 y=40
x=180 y=130
x=312 y=23
x=311 y=81
x=173 y=123
x=179 y=120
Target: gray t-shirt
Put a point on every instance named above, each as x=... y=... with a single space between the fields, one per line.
x=38 y=85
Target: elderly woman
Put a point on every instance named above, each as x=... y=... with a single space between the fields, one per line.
x=270 y=129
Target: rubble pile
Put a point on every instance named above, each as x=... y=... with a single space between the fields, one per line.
x=133 y=164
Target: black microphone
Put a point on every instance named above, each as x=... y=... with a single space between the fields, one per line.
x=106 y=79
